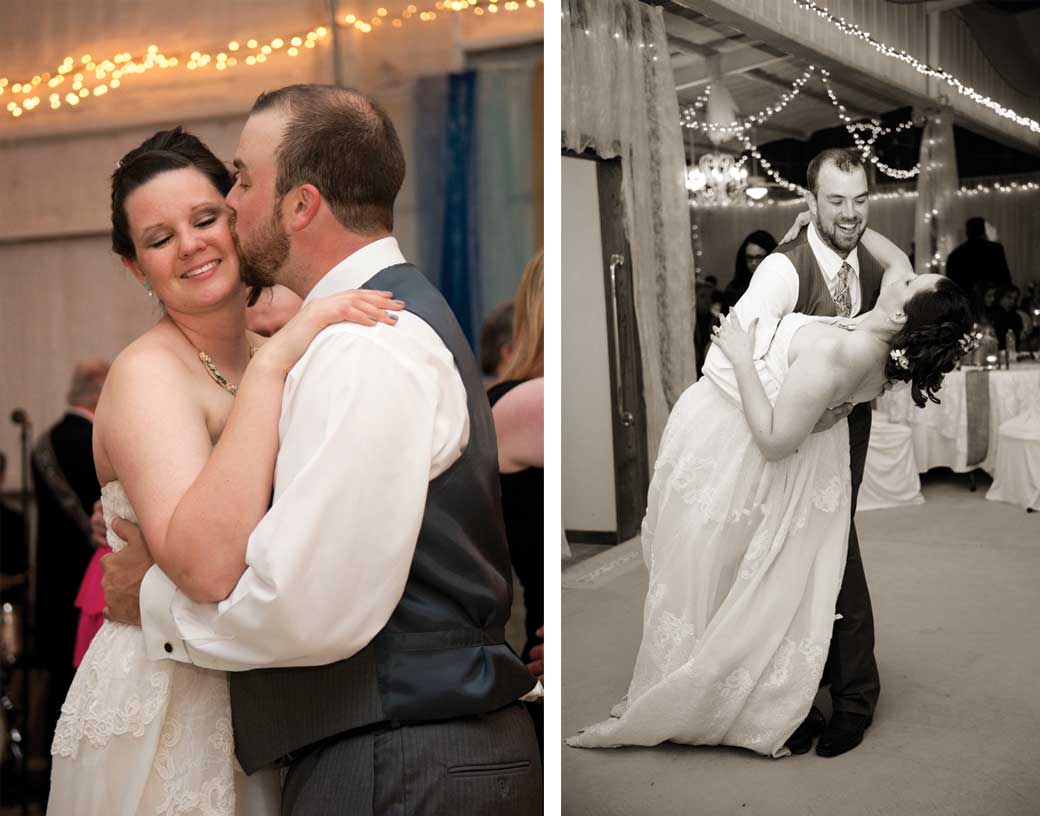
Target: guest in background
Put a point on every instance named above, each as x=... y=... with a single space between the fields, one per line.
x=716 y=293
x=1006 y=318
x=518 y=410
x=979 y=263
x=496 y=336
x=90 y=600
x=750 y=254
x=66 y=488
x=14 y=560
x=272 y=310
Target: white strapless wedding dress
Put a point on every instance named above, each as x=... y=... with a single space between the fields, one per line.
x=746 y=558
x=140 y=737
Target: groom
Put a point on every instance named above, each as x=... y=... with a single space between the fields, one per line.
x=365 y=640
x=824 y=271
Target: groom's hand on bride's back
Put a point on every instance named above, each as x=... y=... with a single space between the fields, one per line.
x=123 y=573
x=832 y=416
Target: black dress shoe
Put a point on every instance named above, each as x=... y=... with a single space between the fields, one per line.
x=843 y=734
x=812 y=726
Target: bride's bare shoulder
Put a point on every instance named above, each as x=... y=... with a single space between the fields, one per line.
x=150 y=369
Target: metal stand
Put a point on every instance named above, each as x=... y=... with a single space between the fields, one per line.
x=17 y=721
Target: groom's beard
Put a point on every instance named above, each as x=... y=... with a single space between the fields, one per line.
x=841 y=240
x=261 y=261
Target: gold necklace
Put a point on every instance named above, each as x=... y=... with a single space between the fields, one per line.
x=219 y=378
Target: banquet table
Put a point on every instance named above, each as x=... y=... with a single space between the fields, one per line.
x=941 y=432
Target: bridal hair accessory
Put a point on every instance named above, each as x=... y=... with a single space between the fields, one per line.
x=969 y=342
x=899 y=355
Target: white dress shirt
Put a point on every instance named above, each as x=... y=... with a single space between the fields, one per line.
x=773 y=293
x=370 y=415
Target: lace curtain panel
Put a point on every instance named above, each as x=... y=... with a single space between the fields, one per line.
x=936 y=228
x=618 y=98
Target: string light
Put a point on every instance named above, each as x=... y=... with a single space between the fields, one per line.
x=90 y=78
x=865 y=146
x=853 y=30
x=108 y=75
x=383 y=16
x=765 y=165
x=755 y=119
x=999 y=188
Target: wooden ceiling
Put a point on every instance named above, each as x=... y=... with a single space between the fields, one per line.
x=756 y=74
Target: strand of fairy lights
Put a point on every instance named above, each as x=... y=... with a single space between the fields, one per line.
x=970 y=191
x=739 y=127
x=89 y=79
x=755 y=119
x=765 y=165
x=853 y=30
x=109 y=74
x=384 y=17
x=864 y=147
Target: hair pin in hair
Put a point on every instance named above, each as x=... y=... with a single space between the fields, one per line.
x=969 y=342
x=901 y=360
x=119 y=164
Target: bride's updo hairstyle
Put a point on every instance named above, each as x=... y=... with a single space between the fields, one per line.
x=166 y=150
x=930 y=342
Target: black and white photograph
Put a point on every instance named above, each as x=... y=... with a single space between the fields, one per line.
x=800 y=419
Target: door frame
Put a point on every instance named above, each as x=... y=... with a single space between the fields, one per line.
x=628 y=406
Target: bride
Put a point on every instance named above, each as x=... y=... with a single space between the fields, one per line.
x=747 y=518
x=185 y=440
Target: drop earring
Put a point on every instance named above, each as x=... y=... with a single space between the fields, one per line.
x=148 y=289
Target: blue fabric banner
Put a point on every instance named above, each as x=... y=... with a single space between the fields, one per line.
x=473 y=160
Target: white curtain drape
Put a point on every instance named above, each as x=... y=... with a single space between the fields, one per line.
x=935 y=229
x=618 y=98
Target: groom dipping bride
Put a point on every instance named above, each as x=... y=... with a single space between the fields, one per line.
x=757 y=592
x=363 y=631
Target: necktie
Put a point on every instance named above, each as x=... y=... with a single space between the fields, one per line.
x=842 y=298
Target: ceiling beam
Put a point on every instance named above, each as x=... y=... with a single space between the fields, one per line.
x=738 y=61
x=874 y=81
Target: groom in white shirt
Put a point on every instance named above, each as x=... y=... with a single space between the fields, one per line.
x=365 y=640
x=826 y=271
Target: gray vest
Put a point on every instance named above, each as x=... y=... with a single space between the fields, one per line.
x=443 y=653
x=815 y=298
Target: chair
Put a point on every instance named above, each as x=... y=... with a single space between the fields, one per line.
x=1016 y=479
x=890 y=475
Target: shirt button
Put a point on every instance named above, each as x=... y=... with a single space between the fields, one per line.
x=169 y=648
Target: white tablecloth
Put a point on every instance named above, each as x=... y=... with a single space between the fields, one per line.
x=940 y=432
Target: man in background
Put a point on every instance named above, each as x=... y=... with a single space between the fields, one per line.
x=67 y=489
x=496 y=336
x=979 y=263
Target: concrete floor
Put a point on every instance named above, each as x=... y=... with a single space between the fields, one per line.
x=955 y=584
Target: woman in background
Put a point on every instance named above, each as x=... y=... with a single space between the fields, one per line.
x=517 y=407
x=750 y=254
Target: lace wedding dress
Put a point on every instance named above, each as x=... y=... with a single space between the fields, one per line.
x=140 y=737
x=746 y=559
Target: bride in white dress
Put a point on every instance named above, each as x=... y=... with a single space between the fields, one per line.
x=189 y=457
x=747 y=520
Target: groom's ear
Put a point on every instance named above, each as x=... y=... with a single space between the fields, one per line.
x=303 y=205
x=810 y=201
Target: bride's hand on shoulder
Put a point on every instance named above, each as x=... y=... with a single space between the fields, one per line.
x=737 y=344
x=365 y=307
x=800 y=223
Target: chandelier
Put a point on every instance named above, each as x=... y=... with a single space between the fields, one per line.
x=716 y=180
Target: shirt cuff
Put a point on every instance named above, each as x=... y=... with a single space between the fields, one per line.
x=534 y=695
x=161 y=639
